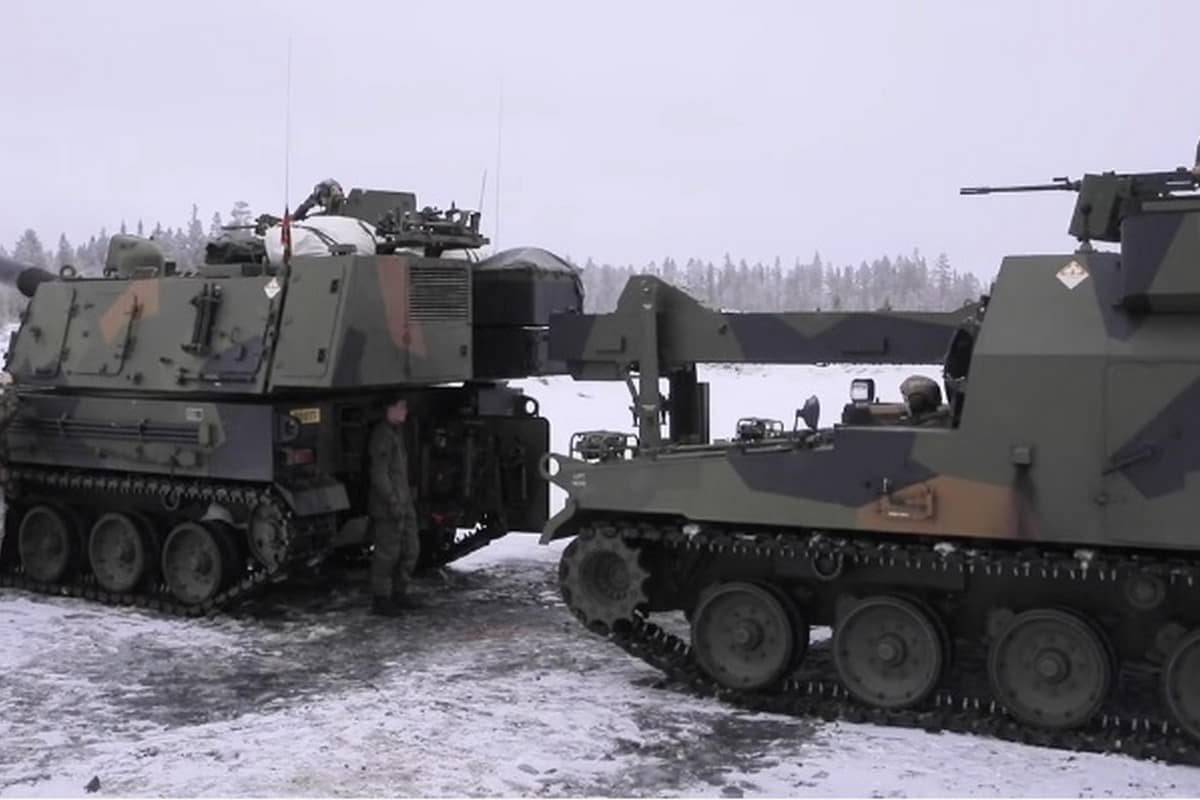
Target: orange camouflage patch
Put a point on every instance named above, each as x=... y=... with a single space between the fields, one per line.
x=948 y=506
x=406 y=333
x=140 y=298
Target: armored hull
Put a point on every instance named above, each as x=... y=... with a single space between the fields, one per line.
x=1018 y=560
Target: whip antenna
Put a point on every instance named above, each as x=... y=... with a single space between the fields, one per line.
x=287 y=125
x=499 y=150
x=285 y=227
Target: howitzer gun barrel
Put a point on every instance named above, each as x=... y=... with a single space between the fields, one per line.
x=23 y=277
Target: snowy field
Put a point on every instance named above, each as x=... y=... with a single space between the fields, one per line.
x=491 y=689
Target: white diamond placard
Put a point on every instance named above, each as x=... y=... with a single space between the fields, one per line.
x=1072 y=275
x=272 y=288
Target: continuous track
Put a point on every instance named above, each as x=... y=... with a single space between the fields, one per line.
x=1133 y=722
x=303 y=536
x=308 y=538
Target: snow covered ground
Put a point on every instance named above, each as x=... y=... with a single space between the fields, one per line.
x=491 y=689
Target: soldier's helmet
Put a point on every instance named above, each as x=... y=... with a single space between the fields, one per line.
x=921 y=394
x=329 y=194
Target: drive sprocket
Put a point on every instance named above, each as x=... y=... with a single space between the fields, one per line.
x=602 y=579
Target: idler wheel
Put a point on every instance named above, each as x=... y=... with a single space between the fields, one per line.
x=889 y=652
x=745 y=637
x=602 y=579
x=48 y=542
x=196 y=563
x=1050 y=668
x=1181 y=684
x=120 y=552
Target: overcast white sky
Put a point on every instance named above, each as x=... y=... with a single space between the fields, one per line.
x=630 y=130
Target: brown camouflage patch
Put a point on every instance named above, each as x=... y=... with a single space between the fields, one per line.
x=949 y=506
x=140 y=298
x=406 y=333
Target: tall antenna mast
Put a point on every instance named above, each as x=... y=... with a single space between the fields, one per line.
x=499 y=150
x=482 y=191
x=285 y=233
x=287 y=126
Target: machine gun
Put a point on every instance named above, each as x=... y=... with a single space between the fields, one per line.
x=1063 y=184
x=1106 y=199
x=432 y=229
x=260 y=225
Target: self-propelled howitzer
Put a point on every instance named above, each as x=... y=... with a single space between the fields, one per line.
x=1016 y=556
x=177 y=439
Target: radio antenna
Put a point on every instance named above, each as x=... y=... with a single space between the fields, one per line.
x=499 y=150
x=287 y=125
x=482 y=191
x=285 y=232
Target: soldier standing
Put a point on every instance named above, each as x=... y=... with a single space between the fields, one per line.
x=327 y=194
x=393 y=517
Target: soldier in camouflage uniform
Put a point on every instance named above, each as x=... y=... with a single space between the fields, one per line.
x=327 y=194
x=393 y=517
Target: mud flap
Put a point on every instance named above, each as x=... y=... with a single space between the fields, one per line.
x=524 y=494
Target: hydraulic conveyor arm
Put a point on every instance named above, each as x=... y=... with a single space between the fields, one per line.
x=660 y=331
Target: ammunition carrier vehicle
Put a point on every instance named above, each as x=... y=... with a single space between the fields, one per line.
x=174 y=440
x=1012 y=553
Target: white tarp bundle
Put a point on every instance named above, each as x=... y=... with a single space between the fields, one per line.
x=316 y=236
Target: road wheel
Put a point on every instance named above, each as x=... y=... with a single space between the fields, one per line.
x=1181 y=684
x=120 y=552
x=744 y=636
x=195 y=562
x=889 y=652
x=49 y=543
x=1050 y=668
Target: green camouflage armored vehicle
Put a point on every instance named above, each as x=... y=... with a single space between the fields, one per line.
x=1013 y=552
x=174 y=440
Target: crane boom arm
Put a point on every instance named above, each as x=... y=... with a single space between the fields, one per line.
x=655 y=318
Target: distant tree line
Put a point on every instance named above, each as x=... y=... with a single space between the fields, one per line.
x=900 y=282
x=906 y=282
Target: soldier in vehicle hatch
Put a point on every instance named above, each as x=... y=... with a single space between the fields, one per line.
x=923 y=401
x=1196 y=167
x=393 y=517
x=327 y=194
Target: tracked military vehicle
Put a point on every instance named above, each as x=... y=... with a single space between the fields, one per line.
x=175 y=440
x=1011 y=553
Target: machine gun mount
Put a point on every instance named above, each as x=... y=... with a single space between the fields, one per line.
x=1106 y=199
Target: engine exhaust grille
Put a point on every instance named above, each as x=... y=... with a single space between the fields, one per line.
x=440 y=293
